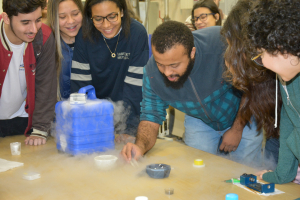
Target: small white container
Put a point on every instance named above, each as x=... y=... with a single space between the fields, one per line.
x=15 y=148
x=105 y=161
x=141 y=198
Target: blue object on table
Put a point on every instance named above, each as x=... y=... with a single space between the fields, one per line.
x=247 y=179
x=231 y=196
x=84 y=125
x=263 y=188
x=250 y=181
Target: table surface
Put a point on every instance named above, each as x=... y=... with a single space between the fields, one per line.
x=69 y=177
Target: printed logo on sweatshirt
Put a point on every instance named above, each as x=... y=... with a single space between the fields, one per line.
x=21 y=68
x=123 y=56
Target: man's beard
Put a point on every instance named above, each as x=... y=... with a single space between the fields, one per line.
x=181 y=80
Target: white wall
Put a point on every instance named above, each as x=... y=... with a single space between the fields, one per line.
x=1 y=6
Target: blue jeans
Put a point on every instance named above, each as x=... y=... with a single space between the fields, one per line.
x=271 y=153
x=201 y=136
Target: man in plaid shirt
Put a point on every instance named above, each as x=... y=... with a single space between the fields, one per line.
x=186 y=72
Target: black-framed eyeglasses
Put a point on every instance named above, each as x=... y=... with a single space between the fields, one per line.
x=257 y=59
x=112 y=17
x=202 y=17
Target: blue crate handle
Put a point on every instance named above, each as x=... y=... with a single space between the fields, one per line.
x=90 y=90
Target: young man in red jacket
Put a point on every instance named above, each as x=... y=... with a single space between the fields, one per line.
x=27 y=71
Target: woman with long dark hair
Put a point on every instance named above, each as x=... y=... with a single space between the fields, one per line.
x=257 y=83
x=65 y=18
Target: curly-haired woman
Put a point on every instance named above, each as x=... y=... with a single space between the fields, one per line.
x=272 y=31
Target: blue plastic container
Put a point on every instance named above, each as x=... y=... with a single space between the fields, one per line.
x=84 y=124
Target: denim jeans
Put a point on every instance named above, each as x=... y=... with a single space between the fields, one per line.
x=271 y=153
x=201 y=136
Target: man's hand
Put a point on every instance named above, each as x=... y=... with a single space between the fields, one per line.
x=145 y=140
x=35 y=140
x=233 y=136
x=124 y=138
x=130 y=150
x=231 y=140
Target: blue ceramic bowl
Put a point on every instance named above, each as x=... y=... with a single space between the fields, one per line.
x=158 y=170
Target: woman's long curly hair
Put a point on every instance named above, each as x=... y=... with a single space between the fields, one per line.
x=274 y=25
x=257 y=83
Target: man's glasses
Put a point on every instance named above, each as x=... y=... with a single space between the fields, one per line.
x=202 y=17
x=113 y=17
x=257 y=59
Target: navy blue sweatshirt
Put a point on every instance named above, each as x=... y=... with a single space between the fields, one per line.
x=118 y=78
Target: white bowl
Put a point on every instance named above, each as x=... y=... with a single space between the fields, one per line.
x=105 y=161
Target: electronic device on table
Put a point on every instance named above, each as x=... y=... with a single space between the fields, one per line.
x=250 y=181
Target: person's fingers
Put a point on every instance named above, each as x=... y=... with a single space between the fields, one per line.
x=39 y=141
x=260 y=174
x=128 y=151
x=26 y=140
x=222 y=146
x=226 y=149
x=136 y=156
x=124 y=153
x=30 y=141
x=43 y=141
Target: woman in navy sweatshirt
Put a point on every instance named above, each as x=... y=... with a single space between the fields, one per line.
x=110 y=53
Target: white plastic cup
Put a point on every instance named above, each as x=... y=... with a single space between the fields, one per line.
x=15 y=148
x=105 y=162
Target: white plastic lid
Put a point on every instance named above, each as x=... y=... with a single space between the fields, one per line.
x=78 y=98
x=141 y=198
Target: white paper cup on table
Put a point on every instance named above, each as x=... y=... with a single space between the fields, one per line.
x=15 y=148
x=105 y=161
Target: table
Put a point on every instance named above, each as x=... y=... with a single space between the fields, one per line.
x=66 y=177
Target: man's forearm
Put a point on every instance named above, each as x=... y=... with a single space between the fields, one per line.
x=146 y=136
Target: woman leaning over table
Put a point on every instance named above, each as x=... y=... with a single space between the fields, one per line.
x=272 y=31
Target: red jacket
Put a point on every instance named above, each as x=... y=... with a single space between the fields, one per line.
x=40 y=71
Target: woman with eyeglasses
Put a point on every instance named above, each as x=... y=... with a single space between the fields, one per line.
x=269 y=43
x=205 y=14
x=110 y=53
x=274 y=42
x=64 y=18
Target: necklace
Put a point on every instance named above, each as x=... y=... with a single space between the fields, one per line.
x=112 y=54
